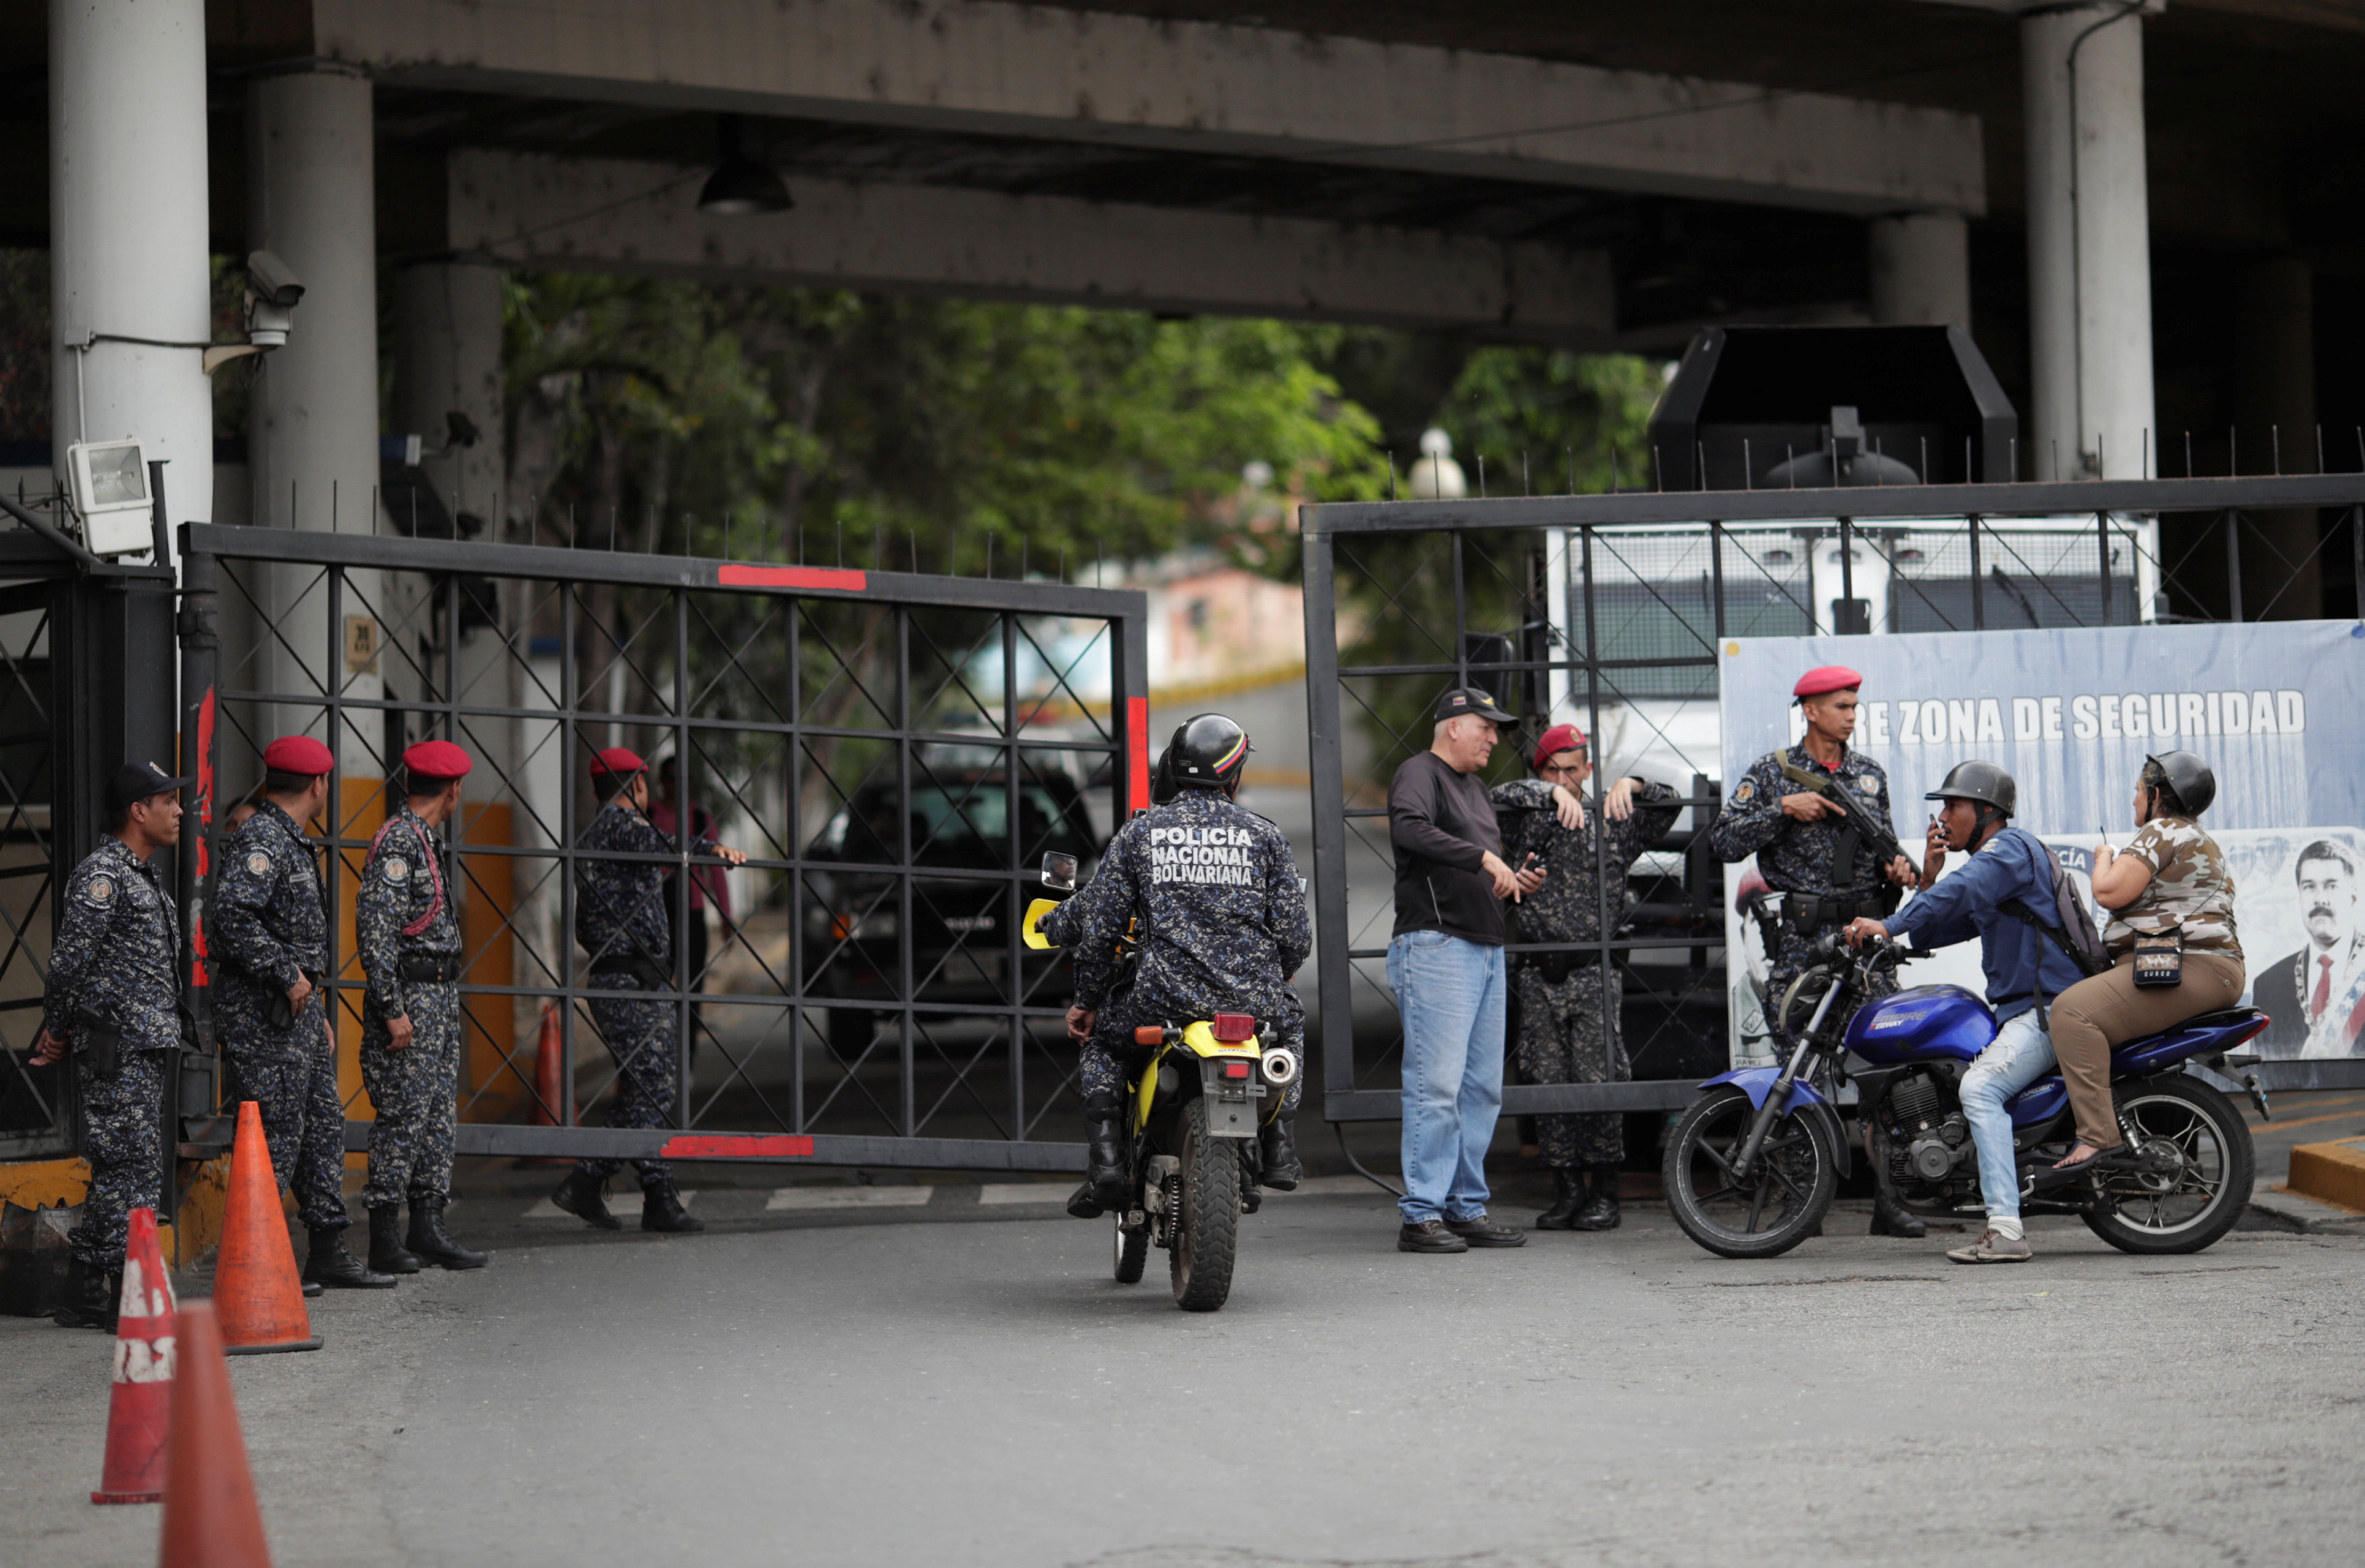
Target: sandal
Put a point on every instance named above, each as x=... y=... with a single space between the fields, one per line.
x=2070 y=1161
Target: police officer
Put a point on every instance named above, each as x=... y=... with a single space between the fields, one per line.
x=1224 y=927
x=409 y=939
x=621 y=918
x=1816 y=853
x=1568 y=1009
x=271 y=930
x=112 y=1000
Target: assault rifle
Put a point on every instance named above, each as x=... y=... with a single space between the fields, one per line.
x=1876 y=833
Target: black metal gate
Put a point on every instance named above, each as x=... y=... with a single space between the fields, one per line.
x=893 y=751
x=1589 y=604
x=86 y=662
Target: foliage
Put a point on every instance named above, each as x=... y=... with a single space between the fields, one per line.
x=1535 y=419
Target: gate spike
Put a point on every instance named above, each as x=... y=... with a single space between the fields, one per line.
x=1790 y=463
x=1968 y=477
x=2233 y=452
x=1925 y=459
x=1748 y=461
x=2275 y=447
x=1525 y=488
x=2188 y=454
x=1392 y=480
x=1659 y=462
x=2319 y=449
x=1482 y=475
x=1572 y=466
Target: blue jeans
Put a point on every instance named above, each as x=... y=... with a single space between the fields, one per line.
x=1449 y=994
x=2021 y=1054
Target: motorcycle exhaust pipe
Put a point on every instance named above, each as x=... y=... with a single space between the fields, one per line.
x=1278 y=1069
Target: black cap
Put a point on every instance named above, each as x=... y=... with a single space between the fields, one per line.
x=136 y=781
x=1471 y=700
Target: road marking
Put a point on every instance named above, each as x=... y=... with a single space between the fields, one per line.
x=2310 y=1121
x=548 y=1210
x=849 y=1197
x=1022 y=1192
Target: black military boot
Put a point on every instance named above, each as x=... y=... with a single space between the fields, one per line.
x=661 y=1210
x=1889 y=1217
x=1600 y=1211
x=387 y=1255
x=330 y=1265
x=90 y=1299
x=580 y=1195
x=1568 y=1196
x=1103 y=1187
x=432 y=1242
x=1277 y=1151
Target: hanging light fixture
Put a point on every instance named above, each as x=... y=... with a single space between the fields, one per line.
x=740 y=184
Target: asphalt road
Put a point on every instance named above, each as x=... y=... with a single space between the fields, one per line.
x=817 y=1389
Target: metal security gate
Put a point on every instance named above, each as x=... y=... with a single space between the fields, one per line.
x=1609 y=609
x=895 y=752
x=86 y=662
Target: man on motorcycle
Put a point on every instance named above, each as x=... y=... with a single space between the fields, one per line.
x=1222 y=928
x=2025 y=966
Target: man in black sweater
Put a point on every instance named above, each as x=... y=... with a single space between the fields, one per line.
x=1445 y=964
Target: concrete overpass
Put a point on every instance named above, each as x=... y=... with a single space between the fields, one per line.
x=1609 y=175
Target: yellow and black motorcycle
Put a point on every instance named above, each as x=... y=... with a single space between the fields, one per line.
x=1193 y=1108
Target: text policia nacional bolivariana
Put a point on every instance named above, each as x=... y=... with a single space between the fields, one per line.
x=2133 y=715
x=1219 y=855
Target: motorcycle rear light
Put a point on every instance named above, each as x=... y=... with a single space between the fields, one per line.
x=2249 y=1033
x=1233 y=1027
x=1236 y=1069
x=1149 y=1035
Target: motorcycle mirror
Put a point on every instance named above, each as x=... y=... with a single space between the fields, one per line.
x=1060 y=872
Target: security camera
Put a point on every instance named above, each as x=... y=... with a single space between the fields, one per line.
x=272 y=280
x=271 y=292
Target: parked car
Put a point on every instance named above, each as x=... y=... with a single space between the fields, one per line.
x=968 y=882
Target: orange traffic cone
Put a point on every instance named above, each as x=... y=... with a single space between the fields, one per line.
x=211 y=1519
x=143 y=1399
x=257 y=1291
x=549 y=1080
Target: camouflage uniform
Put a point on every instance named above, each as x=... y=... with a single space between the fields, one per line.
x=117 y=957
x=403 y=913
x=1796 y=858
x=621 y=917
x=270 y=924
x=1225 y=928
x=1569 y=1027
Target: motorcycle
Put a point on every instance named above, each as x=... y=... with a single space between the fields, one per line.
x=1753 y=1164
x=1192 y=1115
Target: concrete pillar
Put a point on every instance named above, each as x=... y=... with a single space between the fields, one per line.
x=313 y=432
x=2089 y=243
x=448 y=356
x=127 y=235
x=2274 y=409
x=1922 y=269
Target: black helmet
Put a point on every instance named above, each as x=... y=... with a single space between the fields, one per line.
x=2192 y=779
x=1162 y=777
x=1207 y=753
x=1981 y=781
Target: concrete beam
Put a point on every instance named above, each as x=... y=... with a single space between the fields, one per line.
x=1071 y=75
x=533 y=210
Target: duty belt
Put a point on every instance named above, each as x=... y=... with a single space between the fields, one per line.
x=1813 y=911
x=432 y=970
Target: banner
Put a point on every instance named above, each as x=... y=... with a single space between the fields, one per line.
x=2071 y=713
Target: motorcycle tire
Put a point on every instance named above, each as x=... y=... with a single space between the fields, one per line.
x=1200 y=1254
x=1798 y=1168
x=1132 y=1251
x=2142 y=1214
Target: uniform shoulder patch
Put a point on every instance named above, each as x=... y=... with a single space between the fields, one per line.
x=1747 y=791
x=395 y=868
x=259 y=863
x=100 y=890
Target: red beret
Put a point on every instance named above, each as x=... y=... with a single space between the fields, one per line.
x=1558 y=739
x=300 y=754
x=617 y=762
x=436 y=761
x=1831 y=678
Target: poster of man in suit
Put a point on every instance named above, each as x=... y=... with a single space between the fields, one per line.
x=2314 y=994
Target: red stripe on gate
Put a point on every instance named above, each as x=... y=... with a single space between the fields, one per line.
x=776 y=1146
x=731 y=574
x=1137 y=741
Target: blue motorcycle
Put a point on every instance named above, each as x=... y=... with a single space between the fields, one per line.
x=1752 y=1166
